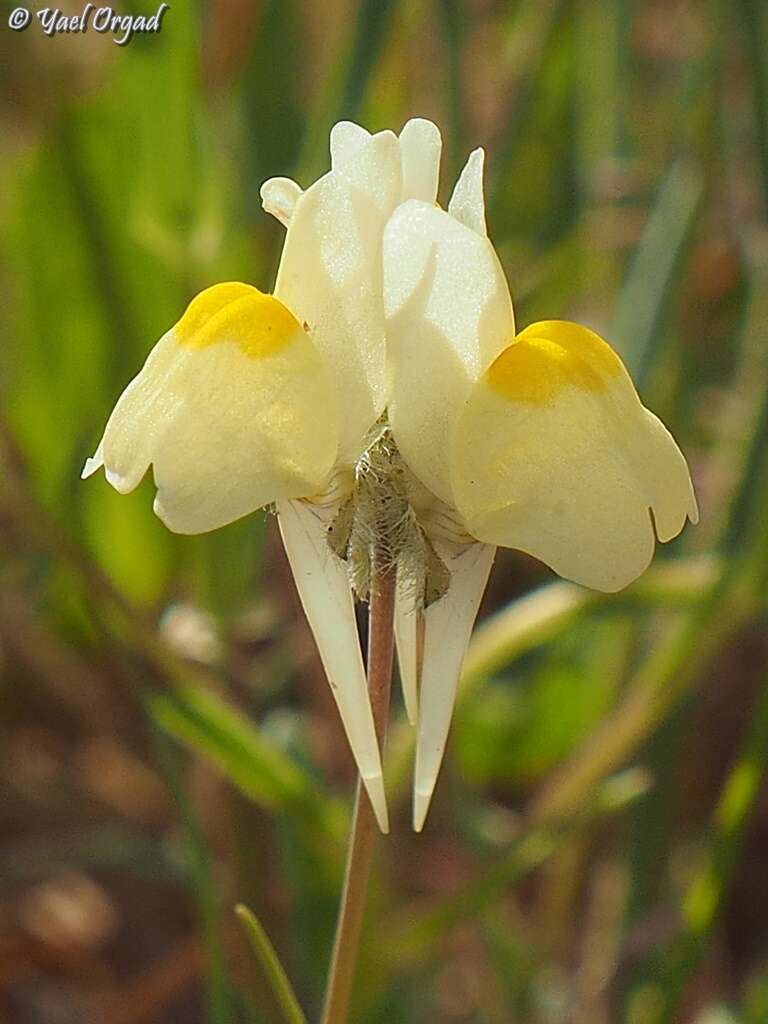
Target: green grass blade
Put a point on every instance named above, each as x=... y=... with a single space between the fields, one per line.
x=374 y=18
x=642 y=302
x=270 y=964
x=706 y=892
x=273 y=128
x=202 y=873
x=660 y=683
x=343 y=95
x=414 y=935
x=755 y=17
x=538 y=618
x=746 y=515
x=539 y=39
x=210 y=726
x=453 y=26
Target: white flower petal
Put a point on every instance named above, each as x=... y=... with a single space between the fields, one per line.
x=449 y=314
x=371 y=165
x=467 y=203
x=420 y=147
x=555 y=455
x=323 y=586
x=279 y=197
x=447 y=628
x=346 y=139
x=331 y=277
x=234 y=409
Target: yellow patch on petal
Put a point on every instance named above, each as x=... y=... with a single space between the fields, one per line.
x=548 y=357
x=258 y=324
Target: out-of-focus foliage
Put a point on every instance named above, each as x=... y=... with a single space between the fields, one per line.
x=597 y=848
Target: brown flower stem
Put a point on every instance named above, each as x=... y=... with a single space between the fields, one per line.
x=363 y=832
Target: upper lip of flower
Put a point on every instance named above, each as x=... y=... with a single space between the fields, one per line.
x=385 y=304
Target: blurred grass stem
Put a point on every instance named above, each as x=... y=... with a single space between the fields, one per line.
x=270 y=963
x=363 y=832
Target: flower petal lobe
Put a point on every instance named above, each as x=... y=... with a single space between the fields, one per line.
x=226 y=410
x=330 y=277
x=555 y=455
x=449 y=314
x=420 y=147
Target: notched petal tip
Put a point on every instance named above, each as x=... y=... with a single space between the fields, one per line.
x=92 y=464
x=187 y=518
x=122 y=484
x=667 y=478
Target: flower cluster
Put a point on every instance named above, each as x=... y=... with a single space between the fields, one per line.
x=381 y=397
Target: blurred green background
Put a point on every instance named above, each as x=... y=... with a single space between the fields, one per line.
x=598 y=844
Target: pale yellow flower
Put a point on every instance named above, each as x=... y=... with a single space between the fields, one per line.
x=382 y=389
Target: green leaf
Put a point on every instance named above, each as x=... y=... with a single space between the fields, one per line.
x=517 y=731
x=706 y=891
x=755 y=18
x=642 y=302
x=273 y=129
x=213 y=728
x=201 y=867
x=270 y=964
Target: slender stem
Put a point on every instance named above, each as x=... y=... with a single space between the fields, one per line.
x=361 y=839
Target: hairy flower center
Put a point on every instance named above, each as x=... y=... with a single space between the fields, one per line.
x=379 y=515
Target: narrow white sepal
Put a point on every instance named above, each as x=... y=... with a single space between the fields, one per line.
x=467 y=204
x=447 y=627
x=279 y=197
x=323 y=586
x=407 y=626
